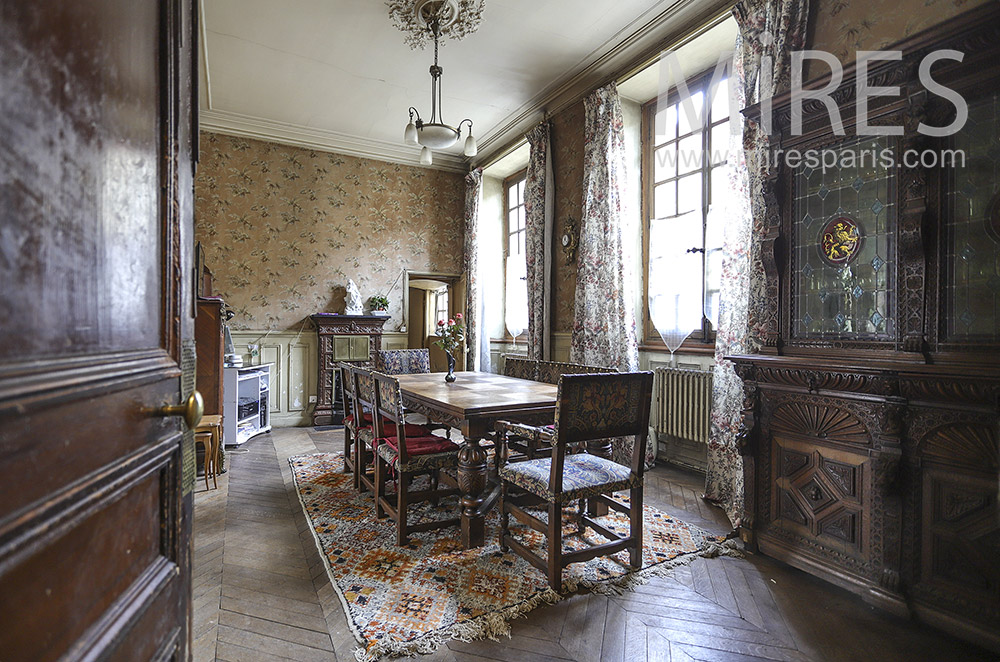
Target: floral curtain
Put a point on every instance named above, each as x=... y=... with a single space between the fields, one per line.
x=539 y=204
x=478 y=355
x=604 y=318
x=769 y=31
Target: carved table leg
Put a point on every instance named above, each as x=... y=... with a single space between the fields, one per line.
x=472 y=484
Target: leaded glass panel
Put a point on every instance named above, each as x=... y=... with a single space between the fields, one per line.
x=973 y=228
x=843 y=255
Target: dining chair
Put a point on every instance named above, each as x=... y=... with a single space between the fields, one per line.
x=406 y=362
x=403 y=451
x=365 y=396
x=352 y=419
x=590 y=406
x=529 y=438
x=402 y=361
x=519 y=366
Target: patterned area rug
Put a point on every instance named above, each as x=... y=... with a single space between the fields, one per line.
x=405 y=600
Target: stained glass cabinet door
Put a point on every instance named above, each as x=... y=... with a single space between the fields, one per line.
x=843 y=244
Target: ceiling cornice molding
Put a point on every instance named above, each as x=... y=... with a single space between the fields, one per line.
x=641 y=45
x=236 y=124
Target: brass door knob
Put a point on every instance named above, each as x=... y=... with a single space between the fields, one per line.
x=191 y=409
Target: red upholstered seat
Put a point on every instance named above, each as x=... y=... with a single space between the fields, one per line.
x=367 y=418
x=423 y=445
x=390 y=427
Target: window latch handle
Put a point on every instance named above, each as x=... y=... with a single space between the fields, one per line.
x=695 y=250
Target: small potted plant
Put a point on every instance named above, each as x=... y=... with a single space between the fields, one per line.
x=379 y=305
x=451 y=336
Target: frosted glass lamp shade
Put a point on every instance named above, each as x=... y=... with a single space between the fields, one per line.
x=471 y=148
x=437 y=136
x=410 y=135
x=425 y=156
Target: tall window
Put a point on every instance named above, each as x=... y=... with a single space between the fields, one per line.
x=515 y=291
x=441 y=306
x=683 y=177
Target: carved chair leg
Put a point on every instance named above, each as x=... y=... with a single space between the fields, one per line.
x=504 y=518
x=581 y=510
x=402 y=491
x=435 y=477
x=348 y=450
x=635 y=527
x=359 y=463
x=380 y=470
x=555 y=546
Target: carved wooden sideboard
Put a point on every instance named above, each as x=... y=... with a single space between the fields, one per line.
x=341 y=338
x=872 y=410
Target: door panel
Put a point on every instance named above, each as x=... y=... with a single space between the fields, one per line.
x=80 y=260
x=95 y=314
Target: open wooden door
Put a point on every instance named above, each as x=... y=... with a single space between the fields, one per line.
x=96 y=309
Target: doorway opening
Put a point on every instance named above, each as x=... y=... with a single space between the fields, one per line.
x=430 y=297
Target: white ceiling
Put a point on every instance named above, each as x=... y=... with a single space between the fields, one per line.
x=336 y=74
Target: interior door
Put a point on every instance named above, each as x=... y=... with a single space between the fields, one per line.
x=96 y=320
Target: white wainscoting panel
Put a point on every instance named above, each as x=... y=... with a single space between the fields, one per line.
x=293 y=375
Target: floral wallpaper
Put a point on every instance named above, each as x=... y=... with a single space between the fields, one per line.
x=843 y=27
x=284 y=228
x=567 y=169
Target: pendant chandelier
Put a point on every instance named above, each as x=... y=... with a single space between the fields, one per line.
x=435 y=19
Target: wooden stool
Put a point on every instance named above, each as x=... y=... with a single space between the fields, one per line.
x=207 y=439
x=211 y=426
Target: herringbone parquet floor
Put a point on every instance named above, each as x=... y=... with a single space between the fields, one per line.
x=261 y=591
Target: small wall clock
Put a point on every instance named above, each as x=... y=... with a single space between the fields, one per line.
x=568 y=239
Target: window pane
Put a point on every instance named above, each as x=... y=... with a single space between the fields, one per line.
x=665 y=163
x=512 y=221
x=665 y=200
x=687 y=124
x=512 y=244
x=512 y=196
x=520 y=192
x=520 y=242
x=689 y=153
x=689 y=193
x=720 y=101
x=720 y=142
x=665 y=124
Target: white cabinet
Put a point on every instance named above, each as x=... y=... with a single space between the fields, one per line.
x=246 y=395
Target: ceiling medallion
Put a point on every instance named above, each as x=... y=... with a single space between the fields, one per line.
x=456 y=19
x=840 y=241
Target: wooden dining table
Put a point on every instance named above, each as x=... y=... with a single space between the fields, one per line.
x=471 y=404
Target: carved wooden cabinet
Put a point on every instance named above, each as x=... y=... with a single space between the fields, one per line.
x=341 y=338
x=872 y=409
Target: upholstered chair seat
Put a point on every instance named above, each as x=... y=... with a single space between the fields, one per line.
x=589 y=407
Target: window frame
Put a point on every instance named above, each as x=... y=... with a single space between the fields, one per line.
x=701 y=340
x=511 y=179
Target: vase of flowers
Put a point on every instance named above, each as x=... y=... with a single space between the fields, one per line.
x=451 y=336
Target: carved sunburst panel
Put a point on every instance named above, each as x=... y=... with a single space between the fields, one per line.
x=823 y=422
x=964 y=444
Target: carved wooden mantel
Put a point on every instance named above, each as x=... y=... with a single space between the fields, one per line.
x=341 y=338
